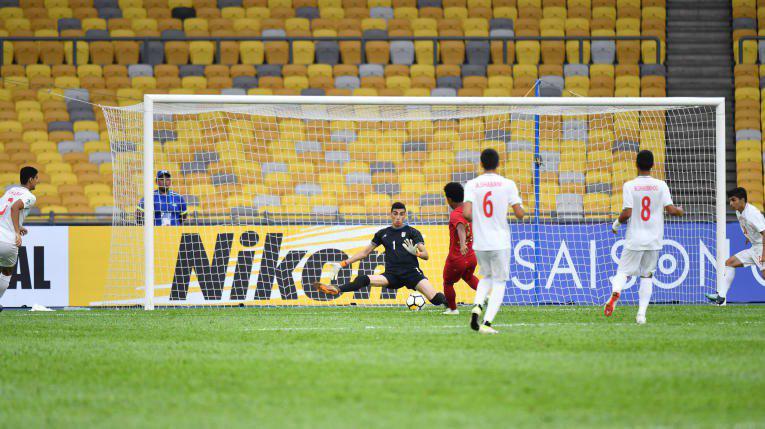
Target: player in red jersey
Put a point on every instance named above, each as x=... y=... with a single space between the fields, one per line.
x=461 y=262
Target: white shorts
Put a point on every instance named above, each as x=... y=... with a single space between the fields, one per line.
x=8 y=254
x=494 y=264
x=750 y=257
x=638 y=262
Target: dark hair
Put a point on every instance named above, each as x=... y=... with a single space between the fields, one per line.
x=27 y=173
x=739 y=193
x=398 y=206
x=644 y=160
x=454 y=191
x=489 y=159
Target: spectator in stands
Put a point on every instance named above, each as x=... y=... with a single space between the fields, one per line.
x=169 y=206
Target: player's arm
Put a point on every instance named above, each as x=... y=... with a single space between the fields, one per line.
x=184 y=211
x=626 y=213
x=361 y=254
x=518 y=211
x=15 y=216
x=467 y=206
x=674 y=210
x=462 y=235
x=669 y=205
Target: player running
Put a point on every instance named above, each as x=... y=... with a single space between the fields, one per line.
x=492 y=194
x=14 y=208
x=461 y=262
x=645 y=232
x=403 y=246
x=753 y=225
x=169 y=206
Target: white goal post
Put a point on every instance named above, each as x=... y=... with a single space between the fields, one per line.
x=686 y=114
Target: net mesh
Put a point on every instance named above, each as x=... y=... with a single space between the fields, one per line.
x=277 y=191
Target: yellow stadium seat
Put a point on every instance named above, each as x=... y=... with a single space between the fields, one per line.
x=201 y=52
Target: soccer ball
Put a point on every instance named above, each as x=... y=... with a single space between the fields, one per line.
x=415 y=301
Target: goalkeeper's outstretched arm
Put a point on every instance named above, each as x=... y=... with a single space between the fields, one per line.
x=361 y=254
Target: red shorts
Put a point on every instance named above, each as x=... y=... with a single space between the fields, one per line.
x=459 y=269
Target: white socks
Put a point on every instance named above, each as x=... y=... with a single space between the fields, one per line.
x=495 y=299
x=644 y=294
x=4 y=282
x=722 y=290
x=484 y=287
x=618 y=282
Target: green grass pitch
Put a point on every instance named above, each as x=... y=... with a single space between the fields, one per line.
x=690 y=366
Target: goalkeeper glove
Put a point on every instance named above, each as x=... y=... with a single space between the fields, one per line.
x=334 y=268
x=410 y=247
x=615 y=226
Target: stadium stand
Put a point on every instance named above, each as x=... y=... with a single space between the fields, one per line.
x=67 y=140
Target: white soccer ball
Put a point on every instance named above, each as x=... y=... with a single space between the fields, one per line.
x=415 y=301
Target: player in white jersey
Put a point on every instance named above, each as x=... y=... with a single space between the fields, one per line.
x=492 y=194
x=14 y=207
x=753 y=225
x=648 y=197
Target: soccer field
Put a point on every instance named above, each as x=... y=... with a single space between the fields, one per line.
x=689 y=366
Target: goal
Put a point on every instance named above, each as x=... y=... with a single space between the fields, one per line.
x=277 y=187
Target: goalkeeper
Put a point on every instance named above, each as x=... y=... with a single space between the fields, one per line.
x=404 y=246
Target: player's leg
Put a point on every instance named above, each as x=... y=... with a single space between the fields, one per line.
x=359 y=282
x=426 y=288
x=740 y=259
x=451 y=275
x=469 y=274
x=648 y=267
x=8 y=256
x=500 y=275
x=628 y=265
x=483 y=289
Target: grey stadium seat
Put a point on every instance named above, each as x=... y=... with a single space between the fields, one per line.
x=625 y=145
x=267 y=200
x=245 y=82
x=382 y=167
x=325 y=210
x=206 y=157
x=186 y=70
x=598 y=188
x=748 y=135
x=501 y=24
x=414 y=146
x=136 y=70
x=60 y=126
x=358 y=178
x=101 y=4
x=163 y=136
x=477 y=52
x=308 y=189
x=343 y=136
x=273 y=167
x=99 y=158
x=473 y=70
x=307 y=12
x=152 y=53
x=371 y=70
x=193 y=167
x=312 y=91
x=339 y=156
x=550 y=161
x=233 y=91
x=381 y=12
x=69 y=24
x=387 y=188
x=223 y=179
x=306 y=146
x=574 y=177
x=86 y=136
x=327 y=52
x=269 y=70
x=402 y=52
x=519 y=145
x=431 y=200
x=229 y=3
x=576 y=70
x=443 y=92
x=463 y=176
x=603 y=51
x=452 y=82
x=109 y=13
x=467 y=156
x=69 y=146
x=428 y=3
x=569 y=206
x=347 y=82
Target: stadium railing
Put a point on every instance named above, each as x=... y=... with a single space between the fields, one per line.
x=290 y=40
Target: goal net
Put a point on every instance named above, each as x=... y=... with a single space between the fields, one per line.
x=275 y=188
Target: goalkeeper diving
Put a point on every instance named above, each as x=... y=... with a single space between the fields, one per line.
x=404 y=247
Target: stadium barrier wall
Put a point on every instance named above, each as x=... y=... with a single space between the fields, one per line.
x=61 y=266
